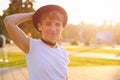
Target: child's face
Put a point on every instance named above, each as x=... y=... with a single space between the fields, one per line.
x=51 y=29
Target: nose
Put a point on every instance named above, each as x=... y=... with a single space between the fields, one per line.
x=53 y=29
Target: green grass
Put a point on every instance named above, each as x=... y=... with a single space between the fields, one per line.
x=18 y=59
x=15 y=59
x=82 y=61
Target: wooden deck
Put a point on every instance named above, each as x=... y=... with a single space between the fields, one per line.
x=75 y=73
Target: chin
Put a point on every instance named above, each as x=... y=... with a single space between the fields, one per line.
x=54 y=39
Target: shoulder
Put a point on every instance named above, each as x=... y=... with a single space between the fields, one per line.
x=33 y=43
x=61 y=48
x=32 y=40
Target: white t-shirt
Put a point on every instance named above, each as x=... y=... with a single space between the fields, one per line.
x=46 y=63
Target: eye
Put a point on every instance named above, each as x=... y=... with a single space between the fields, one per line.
x=48 y=24
x=58 y=25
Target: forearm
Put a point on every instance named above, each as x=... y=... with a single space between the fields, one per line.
x=17 y=19
x=15 y=33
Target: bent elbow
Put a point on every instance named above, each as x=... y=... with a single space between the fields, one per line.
x=6 y=20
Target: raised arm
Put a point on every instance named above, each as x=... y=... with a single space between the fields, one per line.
x=15 y=33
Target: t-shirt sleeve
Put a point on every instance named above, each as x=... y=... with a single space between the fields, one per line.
x=67 y=56
x=30 y=45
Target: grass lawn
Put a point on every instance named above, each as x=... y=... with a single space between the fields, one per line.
x=15 y=59
x=18 y=59
x=82 y=61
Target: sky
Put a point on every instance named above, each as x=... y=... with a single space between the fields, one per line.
x=89 y=11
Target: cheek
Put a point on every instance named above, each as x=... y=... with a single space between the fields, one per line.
x=61 y=29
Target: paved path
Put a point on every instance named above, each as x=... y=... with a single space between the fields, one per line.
x=97 y=55
x=94 y=73
x=12 y=48
x=74 y=73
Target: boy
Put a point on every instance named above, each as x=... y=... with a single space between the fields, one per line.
x=46 y=60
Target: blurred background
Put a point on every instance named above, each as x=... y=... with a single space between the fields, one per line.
x=90 y=21
x=91 y=38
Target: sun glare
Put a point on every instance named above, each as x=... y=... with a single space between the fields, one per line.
x=95 y=11
x=3 y=6
x=88 y=11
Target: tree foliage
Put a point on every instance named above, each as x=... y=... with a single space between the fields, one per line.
x=17 y=6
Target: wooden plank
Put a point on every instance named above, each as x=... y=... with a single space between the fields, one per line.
x=17 y=74
x=24 y=72
x=94 y=73
x=1 y=74
x=74 y=73
x=7 y=74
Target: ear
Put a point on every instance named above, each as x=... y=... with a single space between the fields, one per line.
x=39 y=26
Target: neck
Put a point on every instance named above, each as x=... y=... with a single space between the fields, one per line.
x=49 y=43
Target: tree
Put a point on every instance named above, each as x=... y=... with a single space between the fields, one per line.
x=18 y=6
